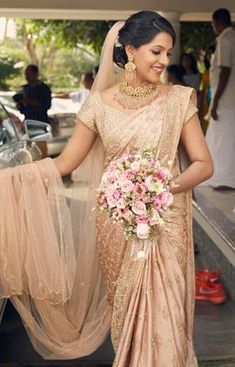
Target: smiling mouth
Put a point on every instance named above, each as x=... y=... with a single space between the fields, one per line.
x=158 y=68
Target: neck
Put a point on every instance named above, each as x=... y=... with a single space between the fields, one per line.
x=140 y=83
x=223 y=28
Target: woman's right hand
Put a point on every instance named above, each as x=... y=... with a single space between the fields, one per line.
x=76 y=149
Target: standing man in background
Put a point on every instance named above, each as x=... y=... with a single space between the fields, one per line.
x=221 y=132
x=35 y=98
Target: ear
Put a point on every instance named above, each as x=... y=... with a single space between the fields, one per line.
x=129 y=50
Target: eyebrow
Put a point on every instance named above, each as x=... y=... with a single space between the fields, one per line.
x=163 y=48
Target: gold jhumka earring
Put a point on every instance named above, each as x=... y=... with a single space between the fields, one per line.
x=130 y=69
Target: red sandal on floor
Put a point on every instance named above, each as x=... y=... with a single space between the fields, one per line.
x=204 y=274
x=209 y=291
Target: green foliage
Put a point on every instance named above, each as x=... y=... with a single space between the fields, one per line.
x=195 y=37
x=11 y=60
x=63 y=50
x=66 y=33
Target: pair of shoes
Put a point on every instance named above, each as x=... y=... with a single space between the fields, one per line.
x=209 y=287
x=204 y=274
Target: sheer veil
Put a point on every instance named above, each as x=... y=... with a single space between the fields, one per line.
x=48 y=259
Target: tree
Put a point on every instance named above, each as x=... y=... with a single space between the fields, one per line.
x=63 y=50
x=195 y=37
x=64 y=33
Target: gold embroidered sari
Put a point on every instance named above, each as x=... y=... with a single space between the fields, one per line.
x=152 y=298
x=51 y=256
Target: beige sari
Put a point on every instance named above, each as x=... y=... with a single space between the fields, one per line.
x=49 y=254
x=152 y=297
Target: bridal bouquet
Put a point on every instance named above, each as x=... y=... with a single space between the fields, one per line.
x=135 y=191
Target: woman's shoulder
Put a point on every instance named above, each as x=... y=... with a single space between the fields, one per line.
x=181 y=95
x=182 y=89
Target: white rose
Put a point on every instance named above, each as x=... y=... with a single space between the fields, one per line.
x=155 y=218
x=139 y=208
x=126 y=185
x=135 y=166
x=142 y=231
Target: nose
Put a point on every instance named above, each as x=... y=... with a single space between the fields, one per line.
x=164 y=59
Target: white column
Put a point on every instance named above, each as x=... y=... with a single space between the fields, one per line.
x=174 y=19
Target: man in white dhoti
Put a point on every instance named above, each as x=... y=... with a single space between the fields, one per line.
x=221 y=132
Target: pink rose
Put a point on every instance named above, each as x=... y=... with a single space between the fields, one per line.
x=169 y=198
x=138 y=207
x=126 y=185
x=128 y=174
x=166 y=198
x=112 y=197
x=120 y=204
x=163 y=198
x=160 y=175
x=157 y=204
x=142 y=231
x=139 y=190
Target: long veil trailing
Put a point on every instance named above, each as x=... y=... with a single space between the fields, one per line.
x=48 y=258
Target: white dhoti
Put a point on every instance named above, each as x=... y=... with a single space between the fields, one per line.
x=220 y=138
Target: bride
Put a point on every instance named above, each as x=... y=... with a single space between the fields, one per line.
x=70 y=272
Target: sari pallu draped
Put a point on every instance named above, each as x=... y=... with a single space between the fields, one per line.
x=152 y=297
x=48 y=265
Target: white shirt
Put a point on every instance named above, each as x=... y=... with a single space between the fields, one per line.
x=79 y=96
x=224 y=56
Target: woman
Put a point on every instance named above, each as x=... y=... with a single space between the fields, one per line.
x=204 y=95
x=190 y=71
x=150 y=297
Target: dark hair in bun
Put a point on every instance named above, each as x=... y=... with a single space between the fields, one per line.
x=140 y=29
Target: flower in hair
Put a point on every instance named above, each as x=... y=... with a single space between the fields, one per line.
x=117 y=43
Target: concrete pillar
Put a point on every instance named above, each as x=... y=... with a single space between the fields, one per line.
x=174 y=19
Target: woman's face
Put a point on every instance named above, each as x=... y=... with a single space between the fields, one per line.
x=152 y=58
x=186 y=62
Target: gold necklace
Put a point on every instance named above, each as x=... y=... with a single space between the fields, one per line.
x=136 y=97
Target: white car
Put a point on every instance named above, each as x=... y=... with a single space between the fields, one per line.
x=64 y=113
x=18 y=143
x=62 y=116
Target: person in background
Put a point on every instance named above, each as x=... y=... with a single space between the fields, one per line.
x=220 y=135
x=81 y=95
x=204 y=97
x=190 y=71
x=35 y=98
x=175 y=75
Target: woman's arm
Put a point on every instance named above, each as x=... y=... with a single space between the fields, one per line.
x=201 y=167
x=76 y=150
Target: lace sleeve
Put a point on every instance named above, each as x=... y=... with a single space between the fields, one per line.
x=87 y=114
x=192 y=107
